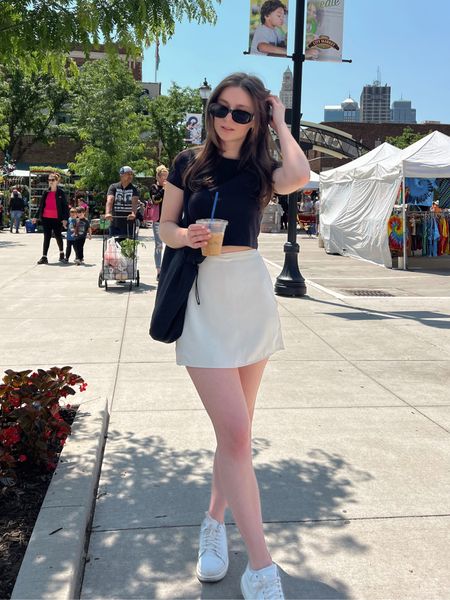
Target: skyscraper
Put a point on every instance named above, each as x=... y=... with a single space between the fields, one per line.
x=287 y=88
x=376 y=103
x=402 y=112
x=346 y=111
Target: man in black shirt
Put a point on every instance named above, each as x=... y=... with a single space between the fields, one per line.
x=122 y=201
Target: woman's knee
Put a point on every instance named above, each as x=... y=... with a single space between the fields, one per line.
x=235 y=439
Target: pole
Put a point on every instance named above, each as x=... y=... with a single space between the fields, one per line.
x=404 y=224
x=204 y=101
x=290 y=281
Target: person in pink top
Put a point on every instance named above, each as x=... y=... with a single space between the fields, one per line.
x=53 y=213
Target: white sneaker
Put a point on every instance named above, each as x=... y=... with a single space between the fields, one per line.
x=212 y=563
x=264 y=584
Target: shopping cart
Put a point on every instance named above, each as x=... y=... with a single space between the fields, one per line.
x=120 y=256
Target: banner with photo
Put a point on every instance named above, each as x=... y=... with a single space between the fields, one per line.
x=324 y=30
x=193 y=125
x=268 y=27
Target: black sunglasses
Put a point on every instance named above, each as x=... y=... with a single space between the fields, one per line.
x=52 y=179
x=239 y=116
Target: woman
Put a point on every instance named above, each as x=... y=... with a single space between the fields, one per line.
x=53 y=213
x=228 y=337
x=156 y=198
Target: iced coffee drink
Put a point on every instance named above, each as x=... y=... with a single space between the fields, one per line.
x=217 y=228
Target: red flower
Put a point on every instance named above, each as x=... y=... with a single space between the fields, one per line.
x=10 y=435
x=83 y=386
x=22 y=458
x=14 y=401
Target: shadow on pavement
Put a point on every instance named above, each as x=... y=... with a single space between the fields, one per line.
x=424 y=317
x=152 y=497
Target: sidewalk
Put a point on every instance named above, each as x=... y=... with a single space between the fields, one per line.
x=351 y=432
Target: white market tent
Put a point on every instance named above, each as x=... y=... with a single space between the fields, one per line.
x=336 y=191
x=372 y=190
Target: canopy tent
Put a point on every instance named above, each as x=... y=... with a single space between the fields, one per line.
x=335 y=195
x=368 y=193
x=313 y=183
x=20 y=173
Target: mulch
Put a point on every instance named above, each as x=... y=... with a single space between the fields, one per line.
x=20 y=505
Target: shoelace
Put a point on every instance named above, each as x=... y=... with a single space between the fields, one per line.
x=210 y=540
x=270 y=588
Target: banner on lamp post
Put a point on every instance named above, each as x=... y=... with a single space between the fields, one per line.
x=324 y=30
x=268 y=27
x=193 y=125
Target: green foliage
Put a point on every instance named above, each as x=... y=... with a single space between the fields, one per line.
x=167 y=119
x=129 y=247
x=43 y=31
x=32 y=430
x=106 y=115
x=407 y=138
x=29 y=104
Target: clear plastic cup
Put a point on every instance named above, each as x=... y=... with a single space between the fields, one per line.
x=217 y=228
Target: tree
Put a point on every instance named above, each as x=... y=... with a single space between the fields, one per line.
x=106 y=114
x=29 y=105
x=49 y=29
x=167 y=119
x=407 y=138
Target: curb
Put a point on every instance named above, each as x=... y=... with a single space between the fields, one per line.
x=53 y=564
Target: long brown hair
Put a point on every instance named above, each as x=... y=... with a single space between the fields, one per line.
x=256 y=149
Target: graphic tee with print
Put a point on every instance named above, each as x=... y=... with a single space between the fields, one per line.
x=81 y=228
x=122 y=201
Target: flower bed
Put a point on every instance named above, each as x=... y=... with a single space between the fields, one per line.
x=33 y=430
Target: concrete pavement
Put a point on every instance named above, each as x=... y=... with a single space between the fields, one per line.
x=351 y=432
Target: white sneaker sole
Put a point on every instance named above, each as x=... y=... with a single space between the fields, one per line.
x=210 y=578
x=244 y=592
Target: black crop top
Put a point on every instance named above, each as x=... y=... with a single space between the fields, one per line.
x=239 y=199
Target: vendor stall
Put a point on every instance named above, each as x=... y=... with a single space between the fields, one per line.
x=372 y=192
x=336 y=190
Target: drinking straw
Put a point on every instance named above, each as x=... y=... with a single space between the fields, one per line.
x=216 y=198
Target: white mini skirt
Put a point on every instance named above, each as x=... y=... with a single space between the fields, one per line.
x=237 y=321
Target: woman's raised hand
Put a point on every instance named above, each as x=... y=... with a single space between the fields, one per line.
x=197 y=236
x=278 y=110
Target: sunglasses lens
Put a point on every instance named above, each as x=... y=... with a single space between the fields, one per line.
x=241 y=116
x=219 y=110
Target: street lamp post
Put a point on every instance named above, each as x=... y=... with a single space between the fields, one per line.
x=205 y=92
x=290 y=281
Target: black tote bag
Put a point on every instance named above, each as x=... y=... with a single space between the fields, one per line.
x=179 y=270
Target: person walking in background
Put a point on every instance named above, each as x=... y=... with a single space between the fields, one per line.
x=283 y=202
x=231 y=324
x=16 y=209
x=156 y=199
x=70 y=236
x=122 y=202
x=81 y=201
x=82 y=230
x=2 y=209
x=53 y=213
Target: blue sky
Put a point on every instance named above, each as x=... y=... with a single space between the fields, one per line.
x=408 y=39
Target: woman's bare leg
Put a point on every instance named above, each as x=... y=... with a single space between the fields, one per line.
x=250 y=376
x=222 y=394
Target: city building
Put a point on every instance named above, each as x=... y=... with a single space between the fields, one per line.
x=347 y=111
x=376 y=103
x=287 y=88
x=135 y=64
x=402 y=112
